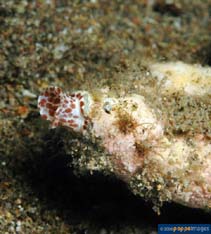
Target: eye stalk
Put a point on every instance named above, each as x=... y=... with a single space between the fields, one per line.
x=108 y=105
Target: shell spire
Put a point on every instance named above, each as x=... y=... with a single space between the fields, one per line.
x=61 y=109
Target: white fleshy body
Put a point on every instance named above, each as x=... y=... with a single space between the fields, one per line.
x=70 y=110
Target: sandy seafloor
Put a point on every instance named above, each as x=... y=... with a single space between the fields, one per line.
x=80 y=45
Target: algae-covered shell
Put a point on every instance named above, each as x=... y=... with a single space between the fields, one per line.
x=158 y=139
